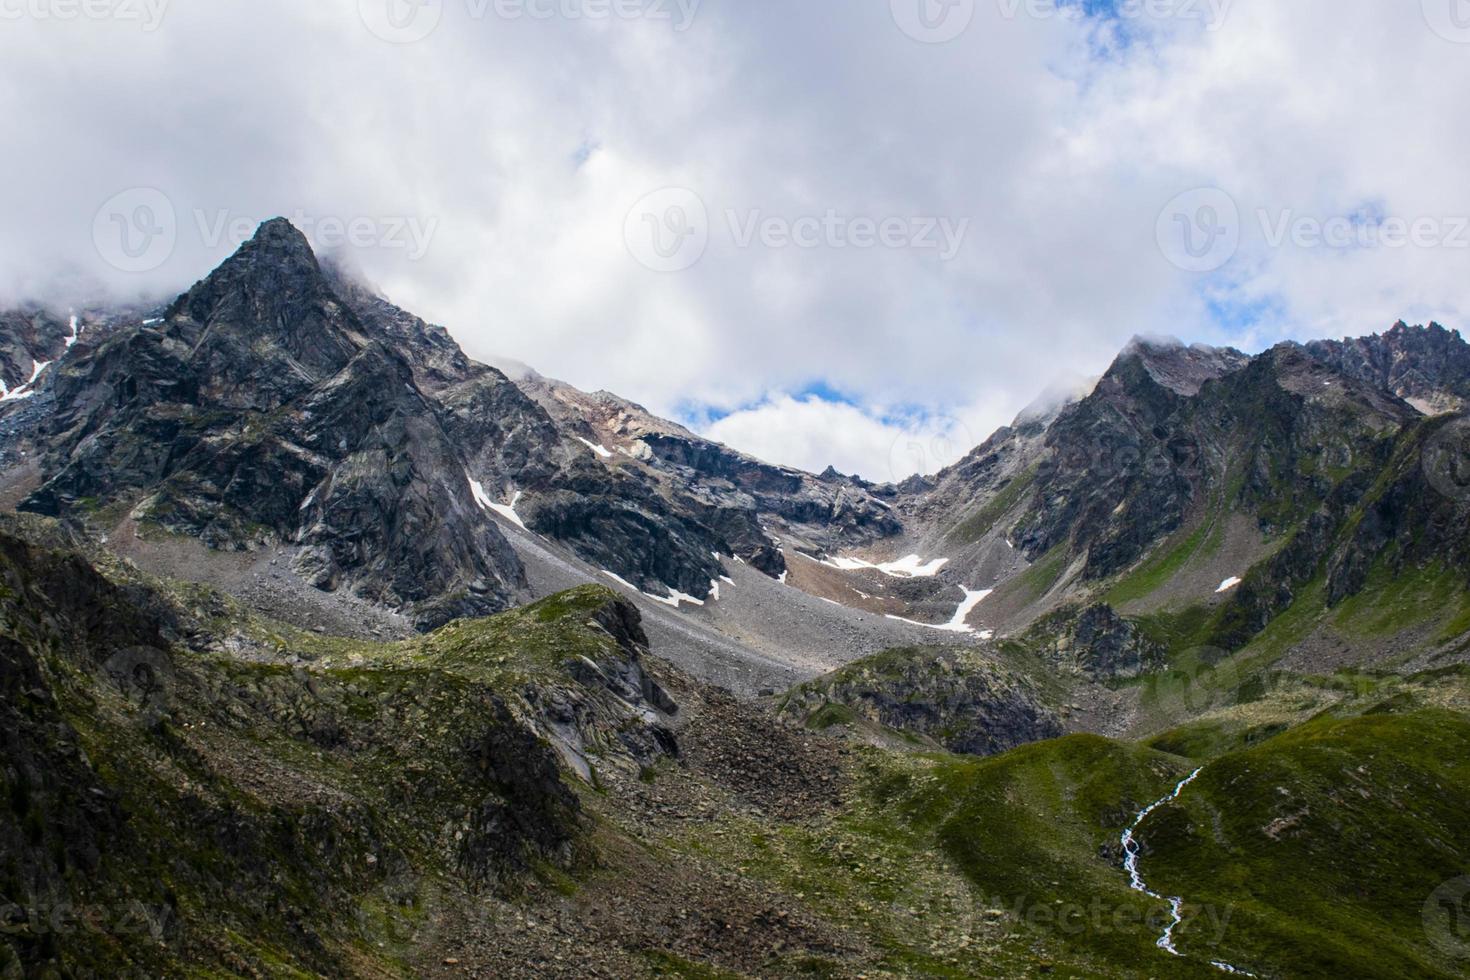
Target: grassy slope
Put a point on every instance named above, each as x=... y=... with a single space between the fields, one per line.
x=1371 y=814
x=1326 y=842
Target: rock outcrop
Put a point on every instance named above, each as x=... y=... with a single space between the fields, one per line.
x=960 y=698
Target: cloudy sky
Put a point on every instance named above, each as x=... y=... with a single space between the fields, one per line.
x=858 y=232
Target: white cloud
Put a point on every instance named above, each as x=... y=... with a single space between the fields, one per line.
x=528 y=142
x=811 y=433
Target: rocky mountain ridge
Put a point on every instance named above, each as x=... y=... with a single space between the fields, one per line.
x=282 y=406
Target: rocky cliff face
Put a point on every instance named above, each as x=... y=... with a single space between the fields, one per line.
x=751 y=503
x=282 y=405
x=278 y=404
x=1124 y=465
x=1429 y=367
x=29 y=339
x=1312 y=444
x=260 y=410
x=1099 y=643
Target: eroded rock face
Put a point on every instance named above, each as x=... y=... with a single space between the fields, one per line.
x=960 y=698
x=262 y=410
x=1121 y=469
x=748 y=503
x=29 y=337
x=1428 y=367
x=278 y=402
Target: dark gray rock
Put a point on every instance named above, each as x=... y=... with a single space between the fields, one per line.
x=959 y=697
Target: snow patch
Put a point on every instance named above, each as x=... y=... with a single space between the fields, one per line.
x=75 y=334
x=972 y=599
x=24 y=391
x=1227 y=585
x=957 y=624
x=913 y=566
x=599 y=450
x=674 y=598
x=507 y=511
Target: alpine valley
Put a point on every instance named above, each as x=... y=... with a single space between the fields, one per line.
x=328 y=651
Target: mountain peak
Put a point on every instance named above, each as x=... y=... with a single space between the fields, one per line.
x=274 y=267
x=272 y=300
x=279 y=240
x=1181 y=368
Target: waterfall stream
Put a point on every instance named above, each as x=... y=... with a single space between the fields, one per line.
x=1135 y=877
